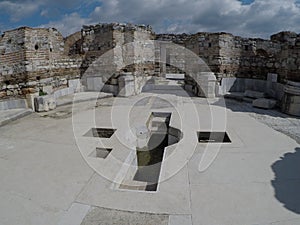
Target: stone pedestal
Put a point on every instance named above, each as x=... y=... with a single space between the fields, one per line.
x=126 y=85
x=142 y=134
x=44 y=103
x=30 y=100
x=207 y=81
x=291 y=99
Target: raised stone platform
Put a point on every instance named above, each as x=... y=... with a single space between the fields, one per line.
x=57 y=185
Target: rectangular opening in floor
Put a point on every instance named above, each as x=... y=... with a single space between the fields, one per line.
x=101 y=153
x=100 y=132
x=213 y=137
x=149 y=157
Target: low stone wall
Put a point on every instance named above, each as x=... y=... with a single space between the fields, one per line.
x=13 y=104
x=272 y=89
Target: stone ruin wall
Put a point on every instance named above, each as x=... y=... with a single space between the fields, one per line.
x=33 y=58
x=233 y=56
x=114 y=39
x=113 y=43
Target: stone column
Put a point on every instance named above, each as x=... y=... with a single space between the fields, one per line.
x=207 y=82
x=126 y=85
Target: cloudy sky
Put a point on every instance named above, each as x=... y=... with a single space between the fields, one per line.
x=249 y=18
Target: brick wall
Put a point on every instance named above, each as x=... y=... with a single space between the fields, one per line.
x=31 y=58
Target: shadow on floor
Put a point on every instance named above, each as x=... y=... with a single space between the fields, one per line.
x=237 y=106
x=287 y=180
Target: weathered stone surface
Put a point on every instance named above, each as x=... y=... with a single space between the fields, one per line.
x=291 y=99
x=207 y=83
x=2 y=94
x=175 y=76
x=264 y=103
x=44 y=103
x=75 y=85
x=94 y=83
x=28 y=91
x=126 y=85
x=30 y=100
x=41 y=58
x=254 y=94
x=249 y=100
x=13 y=104
x=48 y=89
x=51 y=103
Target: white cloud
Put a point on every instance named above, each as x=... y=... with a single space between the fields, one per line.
x=18 y=10
x=259 y=19
x=70 y=23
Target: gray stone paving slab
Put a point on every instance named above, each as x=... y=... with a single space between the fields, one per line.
x=7 y=116
x=253 y=180
x=172 y=197
x=245 y=203
x=113 y=217
x=180 y=220
x=75 y=215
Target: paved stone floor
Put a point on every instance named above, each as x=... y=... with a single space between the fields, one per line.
x=47 y=178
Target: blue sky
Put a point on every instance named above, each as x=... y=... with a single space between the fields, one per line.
x=251 y=18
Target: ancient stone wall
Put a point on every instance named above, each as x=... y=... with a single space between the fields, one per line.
x=111 y=49
x=12 y=56
x=233 y=56
x=33 y=58
x=289 y=57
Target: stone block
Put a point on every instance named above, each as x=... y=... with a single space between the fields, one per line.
x=126 y=85
x=48 y=89
x=62 y=92
x=9 y=93
x=254 y=94
x=227 y=85
x=13 y=104
x=291 y=99
x=94 y=83
x=44 y=103
x=30 y=100
x=175 y=76
x=28 y=90
x=207 y=81
x=264 y=103
x=75 y=85
x=2 y=94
